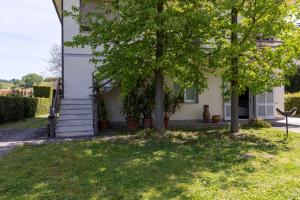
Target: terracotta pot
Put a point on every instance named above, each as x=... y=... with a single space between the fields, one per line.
x=103 y=124
x=216 y=118
x=206 y=114
x=132 y=124
x=148 y=122
x=166 y=121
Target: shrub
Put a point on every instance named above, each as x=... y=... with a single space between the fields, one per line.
x=42 y=91
x=292 y=100
x=13 y=108
x=258 y=123
x=43 y=105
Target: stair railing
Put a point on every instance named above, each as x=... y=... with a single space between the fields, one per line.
x=54 y=109
x=94 y=102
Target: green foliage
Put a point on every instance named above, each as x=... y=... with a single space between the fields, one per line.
x=147 y=99
x=31 y=79
x=294 y=83
x=258 y=123
x=132 y=32
x=131 y=105
x=101 y=109
x=17 y=108
x=260 y=66
x=43 y=105
x=292 y=100
x=42 y=91
x=172 y=101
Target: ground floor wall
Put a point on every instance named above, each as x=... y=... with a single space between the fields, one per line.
x=190 y=112
x=78 y=74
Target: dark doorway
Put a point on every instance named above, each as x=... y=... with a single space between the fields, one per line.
x=244 y=105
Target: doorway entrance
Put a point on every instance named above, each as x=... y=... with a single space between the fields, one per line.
x=244 y=105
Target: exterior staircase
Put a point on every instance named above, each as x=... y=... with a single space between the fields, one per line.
x=75 y=118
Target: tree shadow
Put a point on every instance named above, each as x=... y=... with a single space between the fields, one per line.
x=144 y=166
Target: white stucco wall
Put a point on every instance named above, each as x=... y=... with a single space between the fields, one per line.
x=278 y=100
x=77 y=69
x=212 y=96
x=77 y=77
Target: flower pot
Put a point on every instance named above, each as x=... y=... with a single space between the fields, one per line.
x=166 y=121
x=148 y=122
x=206 y=114
x=216 y=118
x=103 y=124
x=132 y=124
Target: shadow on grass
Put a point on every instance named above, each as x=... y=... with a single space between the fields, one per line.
x=132 y=167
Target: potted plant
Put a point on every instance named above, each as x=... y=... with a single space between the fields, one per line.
x=172 y=102
x=131 y=110
x=102 y=113
x=147 y=104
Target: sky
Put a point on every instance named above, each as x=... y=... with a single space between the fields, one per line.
x=28 y=30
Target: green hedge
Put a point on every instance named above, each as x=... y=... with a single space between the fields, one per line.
x=18 y=108
x=292 y=100
x=42 y=91
x=43 y=105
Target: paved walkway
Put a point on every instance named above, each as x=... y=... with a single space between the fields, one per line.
x=10 y=138
x=294 y=124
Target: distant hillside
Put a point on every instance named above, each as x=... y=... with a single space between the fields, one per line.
x=4 y=85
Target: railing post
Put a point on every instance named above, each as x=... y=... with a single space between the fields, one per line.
x=51 y=126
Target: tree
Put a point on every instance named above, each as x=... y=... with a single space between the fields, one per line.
x=17 y=82
x=31 y=79
x=132 y=39
x=55 y=61
x=249 y=58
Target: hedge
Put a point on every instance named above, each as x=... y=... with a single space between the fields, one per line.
x=42 y=91
x=292 y=100
x=18 y=108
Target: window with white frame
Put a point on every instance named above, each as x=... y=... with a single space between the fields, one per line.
x=190 y=95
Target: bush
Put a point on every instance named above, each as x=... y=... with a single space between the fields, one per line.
x=42 y=91
x=258 y=123
x=18 y=108
x=43 y=105
x=292 y=100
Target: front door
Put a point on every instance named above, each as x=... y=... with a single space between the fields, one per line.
x=265 y=105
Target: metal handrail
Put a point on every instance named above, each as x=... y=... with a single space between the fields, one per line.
x=54 y=109
x=94 y=100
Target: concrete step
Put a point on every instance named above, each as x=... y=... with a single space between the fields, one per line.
x=76 y=102
x=76 y=112
x=74 y=128
x=76 y=106
x=75 y=117
x=74 y=122
x=74 y=134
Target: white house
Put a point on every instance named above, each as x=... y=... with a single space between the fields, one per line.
x=76 y=117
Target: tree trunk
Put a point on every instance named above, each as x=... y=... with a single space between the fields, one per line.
x=159 y=101
x=234 y=126
x=159 y=78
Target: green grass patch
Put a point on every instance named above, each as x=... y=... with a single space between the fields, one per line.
x=6 y=85
x=188 y=164
x=36 y=122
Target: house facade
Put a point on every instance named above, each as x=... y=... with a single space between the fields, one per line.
x=78 y=81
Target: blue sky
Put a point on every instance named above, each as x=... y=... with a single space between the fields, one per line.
x=28 y=29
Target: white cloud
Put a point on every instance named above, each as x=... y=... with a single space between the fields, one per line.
x=28 y=29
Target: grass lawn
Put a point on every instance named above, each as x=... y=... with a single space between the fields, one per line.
x=183 y=165
x=37 y=122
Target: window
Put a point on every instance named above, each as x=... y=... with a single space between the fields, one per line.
x=190 y=95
